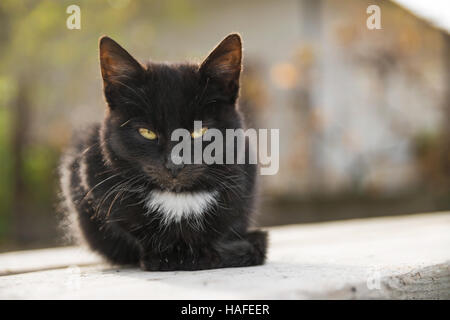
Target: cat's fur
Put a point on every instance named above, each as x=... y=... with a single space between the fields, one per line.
x=133 y=204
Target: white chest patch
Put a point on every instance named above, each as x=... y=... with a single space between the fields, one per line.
x=176 y=206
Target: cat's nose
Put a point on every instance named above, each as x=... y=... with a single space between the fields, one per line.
x=173 y=168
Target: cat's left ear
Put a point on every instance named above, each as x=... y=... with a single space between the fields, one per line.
x=116 y=63
x=223 y=65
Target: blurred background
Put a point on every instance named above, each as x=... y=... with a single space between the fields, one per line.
x=363 y=114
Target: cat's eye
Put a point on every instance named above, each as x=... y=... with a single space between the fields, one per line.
x=147 y=134
x=199 y=132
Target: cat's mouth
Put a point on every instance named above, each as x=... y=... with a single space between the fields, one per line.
x=183 y=182
x=172 y=186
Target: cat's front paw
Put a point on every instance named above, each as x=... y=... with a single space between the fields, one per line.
x=240 y=253
x=258 y=239
x=149 y=264
x=159 y=264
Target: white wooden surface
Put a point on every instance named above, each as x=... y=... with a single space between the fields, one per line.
x=399 y=257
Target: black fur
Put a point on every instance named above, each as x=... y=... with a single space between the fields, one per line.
x=111 y=168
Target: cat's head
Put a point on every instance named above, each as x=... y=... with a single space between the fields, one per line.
x=146 y=103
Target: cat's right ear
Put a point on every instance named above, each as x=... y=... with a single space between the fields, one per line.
x=116 y=63
x=223 y=65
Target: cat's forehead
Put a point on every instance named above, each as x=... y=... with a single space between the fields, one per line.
x=172 y=83
x=173 y=91
x=172 y=77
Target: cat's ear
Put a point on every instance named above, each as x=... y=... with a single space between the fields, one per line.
x=116 y=63
x=223 y=65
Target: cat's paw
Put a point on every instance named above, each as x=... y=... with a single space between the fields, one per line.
x=258 y=239
x=159 y=264
x=242 y=253
x=149 y=264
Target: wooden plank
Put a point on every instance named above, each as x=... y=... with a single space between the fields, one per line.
x=45 y=259
x=396 y=257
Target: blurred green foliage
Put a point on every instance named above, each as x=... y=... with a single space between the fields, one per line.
x=5 y=170
x=43 y=67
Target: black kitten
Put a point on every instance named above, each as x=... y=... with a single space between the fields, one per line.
x=134 y=204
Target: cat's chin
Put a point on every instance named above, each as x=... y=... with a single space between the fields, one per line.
x=179 y=188
x=162 y=181
x=173 y=187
